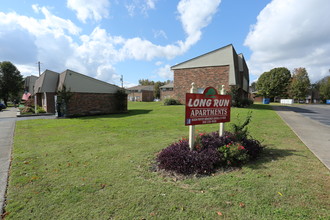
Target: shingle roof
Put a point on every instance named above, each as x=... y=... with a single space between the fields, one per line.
x=170 y=85
x=145 y=88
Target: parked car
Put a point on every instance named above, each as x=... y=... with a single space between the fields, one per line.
x=2 y=106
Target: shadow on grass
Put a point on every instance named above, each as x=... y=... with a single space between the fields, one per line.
x=270 y=155
x=119 y=115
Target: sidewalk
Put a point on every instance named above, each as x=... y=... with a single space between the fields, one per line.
x=313 y=134
x=7 y=128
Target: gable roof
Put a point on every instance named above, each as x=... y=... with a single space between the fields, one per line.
x=47 y=82
x=142 y=88
x=77 y=82
x=223 y=56
x=29 y=83
x=170 y=85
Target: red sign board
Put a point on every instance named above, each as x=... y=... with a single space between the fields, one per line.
x=207 y=108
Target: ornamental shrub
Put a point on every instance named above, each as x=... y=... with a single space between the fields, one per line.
x=171 y=101
x=40 y=109
x=234 y=154
x=210 y=152
x=179 y=158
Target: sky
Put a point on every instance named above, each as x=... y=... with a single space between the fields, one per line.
x=142 y=39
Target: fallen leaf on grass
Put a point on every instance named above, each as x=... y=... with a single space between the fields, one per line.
x=220 y=213
x=152 y=214
x=280 y=193
x=26 y=162
x=102 y=186
x=4 y=215
x=34 y=178
x=241 y=204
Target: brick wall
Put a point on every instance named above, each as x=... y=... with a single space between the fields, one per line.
x=50 y=107
x=135 y=96
x=147 y=96
x=203 y=77
x=82 y=104
x=143 y=96
x=165 y=94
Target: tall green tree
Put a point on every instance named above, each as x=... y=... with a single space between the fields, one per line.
x=274 y=83
x=324 y=88
x=157 y=89
x=146 y=82
x=300 y=84
x=11 y=81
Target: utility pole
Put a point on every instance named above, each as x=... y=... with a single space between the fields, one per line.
x=122 y=81
x=39 y=67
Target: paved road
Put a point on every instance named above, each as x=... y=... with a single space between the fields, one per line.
x=7 y=128
x=311 y=125
x=320 y=113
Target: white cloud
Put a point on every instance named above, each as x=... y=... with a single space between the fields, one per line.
x=141 y=5
x=291 y=33
x=158 y=63
x=195 y=15
x=159 y=33
x=87 y=9
x=151 y=4
x=35 y=8
x=52 y=40
x=165 y=72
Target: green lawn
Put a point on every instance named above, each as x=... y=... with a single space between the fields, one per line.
x=100 y=168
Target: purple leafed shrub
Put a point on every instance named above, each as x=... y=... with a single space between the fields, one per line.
x=179 y=158
x=211 y=152
x=213 y=140
x=253 y=147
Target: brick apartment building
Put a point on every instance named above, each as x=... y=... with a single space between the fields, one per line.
x=141 y=93
x=89 y=96
x=166 y=91
x=219 y=67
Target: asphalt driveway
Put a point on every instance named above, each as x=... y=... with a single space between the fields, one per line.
x=320 y=113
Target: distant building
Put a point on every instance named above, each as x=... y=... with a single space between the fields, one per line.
x=89 y=96
x=219 y=67
x=166 y=91
x=29 y=82
x=141 y=93
x=45 y=89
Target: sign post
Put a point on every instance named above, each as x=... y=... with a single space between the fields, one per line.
x=222 y=125
x=192 y=127
x=206 y=108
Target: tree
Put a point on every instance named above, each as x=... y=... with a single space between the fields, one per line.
x=324 y=88
x=11 y=81
x=300 y=84
x=157 y=89
x=146 y=82
x=253 y=86
x=274 y=83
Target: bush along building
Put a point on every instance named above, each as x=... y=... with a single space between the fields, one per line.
x=72 y=94
x=219 y=67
